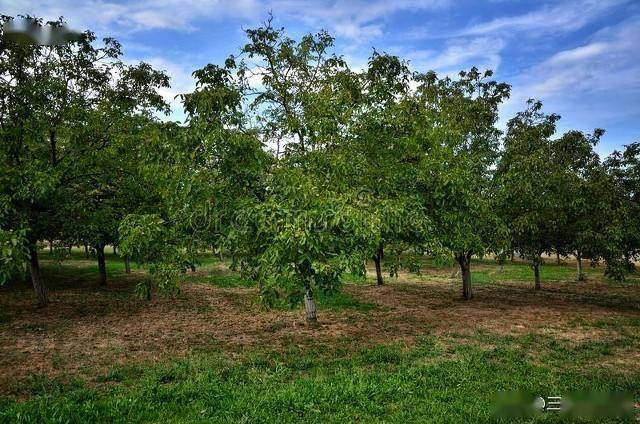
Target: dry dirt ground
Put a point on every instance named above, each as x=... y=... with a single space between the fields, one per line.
x=86 y=330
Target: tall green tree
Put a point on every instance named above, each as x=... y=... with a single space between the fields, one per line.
x=529 y=184
x=459 y=148
x=623 y=167
x=383 y=151
x=577 y=190
x=53 y=100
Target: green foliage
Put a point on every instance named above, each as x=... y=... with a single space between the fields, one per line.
x=67 y=112
x=149 y=241
x=527 y=179
x=302 y=237
x=13 y=254
x=298 y=166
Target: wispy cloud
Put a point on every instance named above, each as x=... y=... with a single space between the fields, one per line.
x=459 y=54
x=559 y=18
x=596 y=83
x=563 y=17
x=357 y=19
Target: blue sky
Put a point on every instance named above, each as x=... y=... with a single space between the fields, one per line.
x=581 y=58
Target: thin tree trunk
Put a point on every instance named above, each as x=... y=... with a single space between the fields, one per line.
x=464 y=260
x=536 y=272
x=50 y=247
x=558 y=258
x=115 y=249
x=310 y=307
x=36 y=277
x=579 y=266
x=377 y=259
x=102 y=266
x=127 y=265
x=69 y=248
x=86 y=251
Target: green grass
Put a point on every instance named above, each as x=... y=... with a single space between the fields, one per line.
x=430 y=382
x=483 y=271
x=449 y=378
x=341 y=300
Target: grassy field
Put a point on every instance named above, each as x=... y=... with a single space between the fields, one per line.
x=410 y=351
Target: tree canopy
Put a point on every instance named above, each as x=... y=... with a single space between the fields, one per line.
x=298 y=166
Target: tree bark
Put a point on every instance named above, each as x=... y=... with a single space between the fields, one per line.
x=86 y=251
x=127 y=265
x=102 y=266
x=36 y=277
x=464 y=260
x=310 y=307
x=536 y=272
x=579 y=266
x=558 y=258
x=377 y=258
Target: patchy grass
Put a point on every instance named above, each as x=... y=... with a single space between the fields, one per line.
x=378 y=383
x=410 y=351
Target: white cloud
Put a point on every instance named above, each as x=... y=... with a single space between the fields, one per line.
x=357 y=19
x=460 y=54
x=577 y=54
x=181 y=82
x=564 y=17
x=597 y=83
x=100 y=15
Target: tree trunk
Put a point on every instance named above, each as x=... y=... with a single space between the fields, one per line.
x=464 y=260
x=579 y=266
x=536 y=272
x=86 y=251
x=69 y=248
x=102 y=266
x=558 y=258
x=127 y=265
x=36 y=277
x=115 y=249
x=377 y=258
x=193 y=267
x=50 y=247
x=310 y=307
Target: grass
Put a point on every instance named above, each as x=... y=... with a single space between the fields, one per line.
x=410 y=351
x=435 y=382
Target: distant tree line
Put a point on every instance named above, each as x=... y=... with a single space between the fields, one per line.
x=298 y=166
